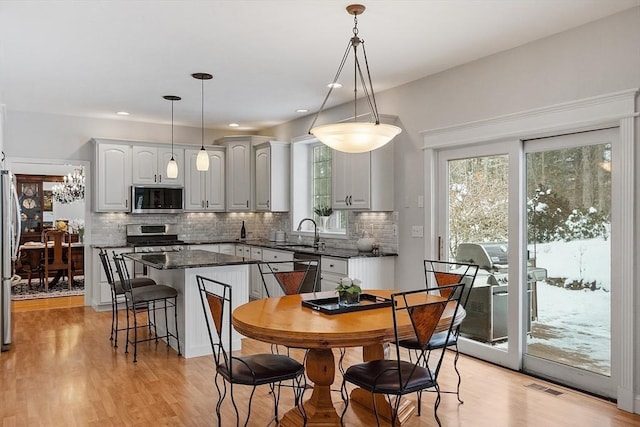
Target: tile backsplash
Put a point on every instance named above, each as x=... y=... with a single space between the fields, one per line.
x=110 y=228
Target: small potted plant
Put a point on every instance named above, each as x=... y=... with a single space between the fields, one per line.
x=348 y=291
x=324 y=212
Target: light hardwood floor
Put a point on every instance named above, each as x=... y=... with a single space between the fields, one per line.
x=62 y=371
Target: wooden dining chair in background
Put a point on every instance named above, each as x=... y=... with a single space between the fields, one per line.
x=57 y=256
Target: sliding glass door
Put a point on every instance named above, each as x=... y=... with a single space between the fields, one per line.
x=536 y=216
x=569 y=241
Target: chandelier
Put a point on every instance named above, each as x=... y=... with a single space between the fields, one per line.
x=71 y=189
x=355 y=137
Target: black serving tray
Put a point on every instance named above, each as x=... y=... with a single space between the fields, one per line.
x=331 y=306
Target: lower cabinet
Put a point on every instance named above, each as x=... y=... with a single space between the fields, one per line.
x=255 y=291
x=373 y=272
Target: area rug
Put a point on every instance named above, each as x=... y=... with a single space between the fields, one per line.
x=21 y=291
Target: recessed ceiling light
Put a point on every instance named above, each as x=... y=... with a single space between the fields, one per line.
x=334 y=85
x=122 y=113
x=233 y=125
x=302 y=110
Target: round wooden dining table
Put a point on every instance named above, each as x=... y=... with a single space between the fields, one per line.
x=285 y=321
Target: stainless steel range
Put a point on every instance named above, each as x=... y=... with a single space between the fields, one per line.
x=487 y=306
x=153 y=238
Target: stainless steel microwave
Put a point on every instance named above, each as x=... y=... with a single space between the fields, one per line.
x=154 y=199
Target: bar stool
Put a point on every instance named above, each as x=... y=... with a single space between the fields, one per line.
x=116 y=291
x=145 y=298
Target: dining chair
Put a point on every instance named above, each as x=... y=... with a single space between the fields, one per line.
x=117 y=291
x=145 y=299
x=398 y=377
x=253 y=370
x=57 y=256
x=439 y=274
x=289 y=275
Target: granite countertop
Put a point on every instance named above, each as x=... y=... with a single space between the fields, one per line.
x=294 y=247
x=186 y=259
x=283 y=246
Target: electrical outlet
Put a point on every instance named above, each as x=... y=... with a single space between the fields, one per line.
x=417 y=231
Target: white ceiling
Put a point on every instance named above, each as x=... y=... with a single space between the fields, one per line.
x=268 y=57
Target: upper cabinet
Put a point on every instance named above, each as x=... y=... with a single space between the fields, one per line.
x=363 y=181
x=150 y=165
x=272 y=162
x=112 y=179
x=240 y=171
x=205 y=191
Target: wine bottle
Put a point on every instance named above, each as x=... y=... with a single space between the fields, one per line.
x=243 y=232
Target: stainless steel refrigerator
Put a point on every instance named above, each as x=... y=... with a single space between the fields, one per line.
x=10 y=232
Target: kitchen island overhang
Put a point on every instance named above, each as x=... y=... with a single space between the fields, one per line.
x=179 y=269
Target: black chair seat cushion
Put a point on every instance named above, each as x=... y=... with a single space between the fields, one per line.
x=438 y=340
x=153 y=293
x=135 y=283
x=260 y=369
x=381 y=376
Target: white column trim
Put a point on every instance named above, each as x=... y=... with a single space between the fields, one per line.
x=614 y=109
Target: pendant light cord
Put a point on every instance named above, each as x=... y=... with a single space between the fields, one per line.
x=202 y=110
x=172 y=101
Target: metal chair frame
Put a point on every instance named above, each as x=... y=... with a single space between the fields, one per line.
x=135 y=303
x=113 y=286
x=258 y=369
x=399 y=377
x=439 y=274
x=290 y=280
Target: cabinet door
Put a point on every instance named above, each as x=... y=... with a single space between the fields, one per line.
x=351 y=180
x=263 y=179
x=164 y=155
x=145 y=165
x=215 y=182
x=339 y=178
x=359 y=179
x=194 y=184
x=239 y=176
x=113 y=178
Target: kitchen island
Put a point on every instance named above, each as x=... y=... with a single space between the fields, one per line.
x=179 y=269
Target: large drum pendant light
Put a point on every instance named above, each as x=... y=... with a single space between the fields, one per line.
x=355 y=137
x=172 y=166
x=202 y=161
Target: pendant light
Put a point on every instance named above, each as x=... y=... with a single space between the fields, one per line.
x=355 y=137
x=172 y=166
x=202 y=161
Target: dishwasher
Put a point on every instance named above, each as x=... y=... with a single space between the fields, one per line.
x=312 y=281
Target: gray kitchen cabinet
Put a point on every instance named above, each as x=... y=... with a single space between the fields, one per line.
x=205 y=190
x=272 y=175
x=240 y=173
x=112 y=176
x=149 y=165
x=363 y=181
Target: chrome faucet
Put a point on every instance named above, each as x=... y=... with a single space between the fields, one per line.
x=316 y=236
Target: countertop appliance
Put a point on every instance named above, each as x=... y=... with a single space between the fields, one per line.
x=154 y=199
x=10 y=230
x=487 y=305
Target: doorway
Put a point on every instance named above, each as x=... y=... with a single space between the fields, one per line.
x=536 y=216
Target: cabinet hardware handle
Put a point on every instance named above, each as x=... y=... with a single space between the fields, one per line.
x=350 y=200
x=247 y=203
x=207 y=203
x=346 y=200
x=267 y=204
x=155 y=178
x=330 y=265
x=159 y=178
x=202 y=203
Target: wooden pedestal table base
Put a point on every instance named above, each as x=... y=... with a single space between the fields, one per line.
x=320 y=368
x=364 y=398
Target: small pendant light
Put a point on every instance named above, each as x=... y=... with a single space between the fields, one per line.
x=202 y=161
x=172 y=166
